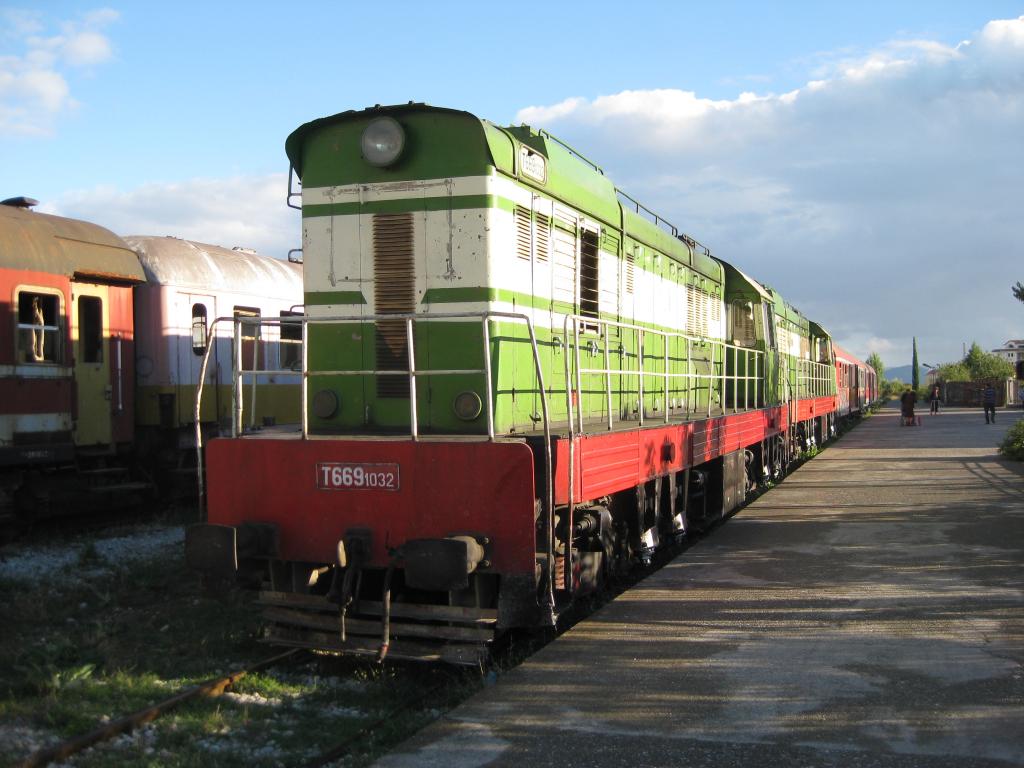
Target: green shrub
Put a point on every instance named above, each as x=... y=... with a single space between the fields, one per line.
x=1012 y=446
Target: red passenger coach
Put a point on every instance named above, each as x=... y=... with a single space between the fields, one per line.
x=66 y=340
x=856 y=383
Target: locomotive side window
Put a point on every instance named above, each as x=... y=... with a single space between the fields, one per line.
x=39 y=327
x=90 y=328
x=769 y=325
x=741 y=317
x=589 y=304
x=199 y=329
x=252 y=351
x=291 y=340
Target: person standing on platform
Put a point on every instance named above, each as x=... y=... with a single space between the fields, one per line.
x=907 y=401
x=934 y=398
x=988 y=399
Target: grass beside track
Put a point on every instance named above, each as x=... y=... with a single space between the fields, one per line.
x=99 y=639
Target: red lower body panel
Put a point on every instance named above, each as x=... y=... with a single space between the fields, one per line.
x=608 y=462
x=316 y=490
x=814 y=407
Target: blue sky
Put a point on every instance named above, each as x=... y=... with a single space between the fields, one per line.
x=874 y=150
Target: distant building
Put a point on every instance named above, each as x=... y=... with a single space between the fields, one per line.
x=1013 y=350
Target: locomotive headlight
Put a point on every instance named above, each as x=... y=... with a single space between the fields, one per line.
x=467 y=405
x=383 y=141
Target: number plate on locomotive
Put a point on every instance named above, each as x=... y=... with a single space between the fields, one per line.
x=338 y=476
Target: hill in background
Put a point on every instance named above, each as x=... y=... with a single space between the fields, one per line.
x=904 y=373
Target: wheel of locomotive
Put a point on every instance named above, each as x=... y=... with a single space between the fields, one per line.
x=749 y=462
x=779 y=456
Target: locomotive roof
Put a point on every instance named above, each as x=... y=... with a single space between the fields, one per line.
x=184 y=263
x=467 y=145
x=60 y=246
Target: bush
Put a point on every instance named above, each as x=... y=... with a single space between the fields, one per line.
x=1012 y=446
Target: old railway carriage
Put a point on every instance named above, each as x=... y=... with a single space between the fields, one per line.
x=66 y=340
x=517 y=380
x=188 y=286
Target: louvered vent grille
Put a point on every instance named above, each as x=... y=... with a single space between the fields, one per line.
x=630 y=271
x=522 y=218
x=394 y=288
x=542 y=228
x=700 y=311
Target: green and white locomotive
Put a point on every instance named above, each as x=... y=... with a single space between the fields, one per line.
x=517 y=380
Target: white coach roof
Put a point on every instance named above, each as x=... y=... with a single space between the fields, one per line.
x=188 y=264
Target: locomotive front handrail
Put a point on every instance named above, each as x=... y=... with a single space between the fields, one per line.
x=237 y=411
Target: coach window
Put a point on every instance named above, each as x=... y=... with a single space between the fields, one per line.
x=39 y=327
x=252 y=352
x=198 y=329
x=90 y=329
x=291 y=340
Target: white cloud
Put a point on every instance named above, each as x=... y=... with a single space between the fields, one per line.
x=246 y=211
x=34 y=89
x=882 y=197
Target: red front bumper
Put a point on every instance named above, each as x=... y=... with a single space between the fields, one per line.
x=307 y=490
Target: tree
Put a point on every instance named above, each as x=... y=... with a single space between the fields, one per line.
x=953 y=372
x=876 y=362
x=915 y=374
x=976 y=365
x=1018 y=291
x=985 y=365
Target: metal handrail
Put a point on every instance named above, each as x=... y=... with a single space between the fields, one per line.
x=749 y=380
x=237 y=411
x=641 y=374
x=814 y=379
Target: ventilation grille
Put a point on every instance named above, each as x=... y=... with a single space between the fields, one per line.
x=394 y=289
x=532 y=238
x=703 y=312
x=523 y=237
x=630 y=271
x=542 y=231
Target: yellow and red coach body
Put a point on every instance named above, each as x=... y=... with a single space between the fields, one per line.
x=66 y=373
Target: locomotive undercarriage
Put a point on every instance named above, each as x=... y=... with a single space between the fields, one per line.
x=455 y=608
x=377 y=612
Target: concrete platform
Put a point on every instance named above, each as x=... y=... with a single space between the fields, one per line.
x=867 y=612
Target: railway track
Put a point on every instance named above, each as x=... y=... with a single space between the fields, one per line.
x=214 y=687
x=439 y=695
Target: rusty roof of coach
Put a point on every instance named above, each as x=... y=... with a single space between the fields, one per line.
x=56 y=245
